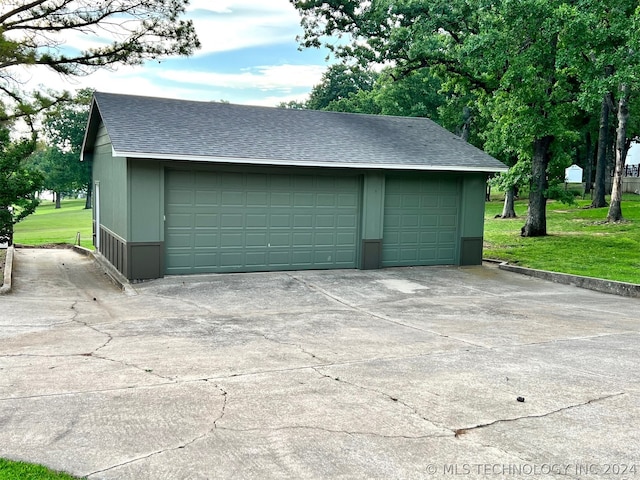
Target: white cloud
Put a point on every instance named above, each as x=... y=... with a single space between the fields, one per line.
x=236 y=24
x=269 y=77
x=222 y=25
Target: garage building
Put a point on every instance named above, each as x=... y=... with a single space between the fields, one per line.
x=183 y=187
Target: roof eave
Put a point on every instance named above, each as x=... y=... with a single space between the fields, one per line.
x=313 y=163
x=91 y=127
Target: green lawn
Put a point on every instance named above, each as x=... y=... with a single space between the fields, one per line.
x=25 y=471
x=579 y=242
x=50 y=226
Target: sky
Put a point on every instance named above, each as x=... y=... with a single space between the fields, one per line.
x=249 y=55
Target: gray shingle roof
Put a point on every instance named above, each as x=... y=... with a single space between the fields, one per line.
x=147 y=127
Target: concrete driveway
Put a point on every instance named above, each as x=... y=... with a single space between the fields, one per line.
x=397 y=373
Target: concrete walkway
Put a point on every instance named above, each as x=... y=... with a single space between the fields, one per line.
x=396 y=373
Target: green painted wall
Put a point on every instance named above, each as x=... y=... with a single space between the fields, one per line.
x=472 y=205
x=112 y=174
x=373 y=205
x=146 y=195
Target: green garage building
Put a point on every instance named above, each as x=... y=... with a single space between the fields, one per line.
x=183 y=187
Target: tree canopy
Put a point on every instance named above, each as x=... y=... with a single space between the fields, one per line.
x=529 y=69
x=18 y=184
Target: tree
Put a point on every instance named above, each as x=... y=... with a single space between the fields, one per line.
x=18 y=185
x=605 y=55
x=338 y=83
x=64 y=127
x=533 y=60
x=615 y=207
x=33 y=33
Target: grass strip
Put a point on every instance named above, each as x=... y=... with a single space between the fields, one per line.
x=49 y=225
x=10 y=470
x=580 y=242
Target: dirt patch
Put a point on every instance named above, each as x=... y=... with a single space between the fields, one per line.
x=45 y=245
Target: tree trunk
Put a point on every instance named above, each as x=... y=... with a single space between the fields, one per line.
x=87 y=204
x=601 y=161
x=57 y=198
x=536 y=224
x=508 y=210
x=615 y=208
x=6 y=226
x=588 y=174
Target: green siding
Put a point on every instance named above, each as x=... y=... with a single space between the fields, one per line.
x=226 y=221
x=373 y=206
x=146 y=194
x=473 y=202
x=421 y=220
x=111 y=172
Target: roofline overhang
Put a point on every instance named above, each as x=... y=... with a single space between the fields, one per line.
x=312 y=163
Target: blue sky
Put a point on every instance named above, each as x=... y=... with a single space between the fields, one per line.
x=249 y=55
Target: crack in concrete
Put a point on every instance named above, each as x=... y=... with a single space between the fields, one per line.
x=86 y=392
x=339 y=300
x=110 y=338
x=462 y=431
x=178 y=447
x=394 y=399
x=296 y=345
x=223 y=410
x=91 y=327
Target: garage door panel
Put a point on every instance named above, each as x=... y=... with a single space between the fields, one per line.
x=420 y=221
x=303 y=239
x=255 y=259
x=302 y=200
x=179 y=240
x=324 y=239
x=229 y=260
x=206 y=220
x=427 y=221
x=345 y=257
x=326 y=200
x=303 y=221
x=280 y=199
x=232 y=199
x=203 y=240
x=180 y=220
x=279 y=258
x=345 y=239
x=347 y=200
x=348 y=221
x=279 y=239
x=257 y=199
x=258 y=222
x=256 y=239
x=280 y=221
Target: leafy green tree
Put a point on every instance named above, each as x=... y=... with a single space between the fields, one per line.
x=338 y=83
x=529 y=62
x=293 y=105
x=18 y=185
x=64 y=126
